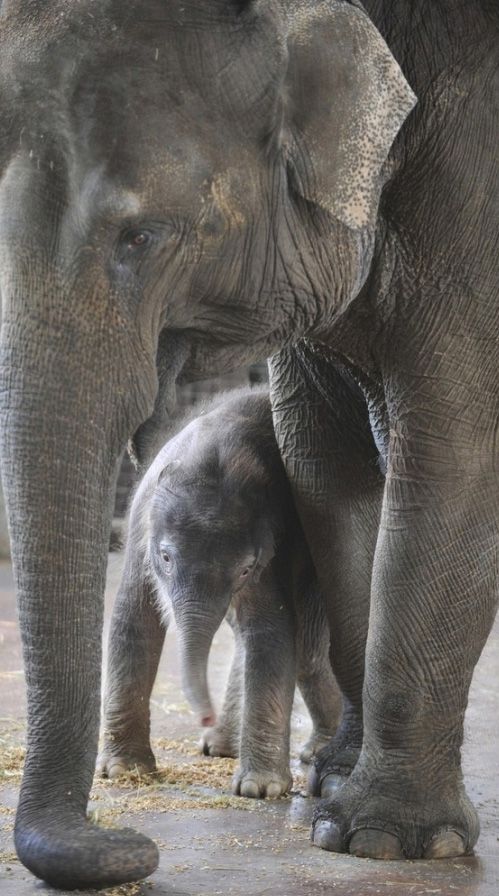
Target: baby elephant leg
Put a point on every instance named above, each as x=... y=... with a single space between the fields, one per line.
x=135 y=643
x=316 y=681
x=224 y=738
x=267 y=629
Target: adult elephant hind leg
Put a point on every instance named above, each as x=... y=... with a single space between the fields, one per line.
x=434 y=600
x=322 y=426
x=136 y=640
x=315 y=677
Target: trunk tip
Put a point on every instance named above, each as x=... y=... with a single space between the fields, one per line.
x=72 y=853
x=208 y=721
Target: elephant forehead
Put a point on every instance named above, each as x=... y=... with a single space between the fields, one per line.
x=119 y=64
x=193 y=186
x=200 y=511
x=126 y=153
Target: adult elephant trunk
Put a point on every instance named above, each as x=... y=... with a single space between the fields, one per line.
x=60 y=403
x=196 y=627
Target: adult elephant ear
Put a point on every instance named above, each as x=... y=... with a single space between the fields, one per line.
x=346 y=98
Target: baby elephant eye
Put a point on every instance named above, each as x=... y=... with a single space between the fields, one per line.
x=246 y=571
x=166 y=558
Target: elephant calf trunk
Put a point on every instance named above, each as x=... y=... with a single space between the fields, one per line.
x=195 y=643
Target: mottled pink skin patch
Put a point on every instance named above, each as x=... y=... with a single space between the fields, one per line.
x=208 y=721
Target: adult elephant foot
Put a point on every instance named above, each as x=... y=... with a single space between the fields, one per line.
x=372 y=817
x=335 y=762
x=69 y=852
x=313 y=746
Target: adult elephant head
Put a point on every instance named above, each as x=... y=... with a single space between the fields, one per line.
x=199 y=176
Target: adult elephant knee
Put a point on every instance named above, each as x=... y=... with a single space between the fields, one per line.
x=136 y=206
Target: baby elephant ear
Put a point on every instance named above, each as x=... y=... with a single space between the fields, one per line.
x=346 y=100
x=266 y=547
x=169 y=474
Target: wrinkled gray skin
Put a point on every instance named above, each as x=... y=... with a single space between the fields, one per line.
x=212 y=527
x=189 y=184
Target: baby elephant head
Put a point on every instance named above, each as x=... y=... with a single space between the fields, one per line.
x=210 y=539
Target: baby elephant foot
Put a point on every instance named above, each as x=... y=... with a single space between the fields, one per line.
x=219 y=742
x=114 y=761
x=316 y=742
x=260 y=784
x=382 y=819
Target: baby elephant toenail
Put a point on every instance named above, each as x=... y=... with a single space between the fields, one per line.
x=116 y=770
x=250 y=789
x=445 y=845
x=274 y=790
x=327 y=835
x=374 y=844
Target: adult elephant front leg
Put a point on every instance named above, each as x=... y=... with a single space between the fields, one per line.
x=67 y=407
x=433 y=602
x=324 y=436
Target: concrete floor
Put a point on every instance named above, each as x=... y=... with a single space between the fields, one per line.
x=212 y=844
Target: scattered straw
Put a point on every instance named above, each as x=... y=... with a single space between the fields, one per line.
x=123 y=890
x=11 y=760
x=201 y=772
x=186 y=747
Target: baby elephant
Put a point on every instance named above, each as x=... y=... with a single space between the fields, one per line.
x=213 y=532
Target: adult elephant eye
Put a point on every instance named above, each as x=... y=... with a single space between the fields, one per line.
x=137 y=239
x=133 y=244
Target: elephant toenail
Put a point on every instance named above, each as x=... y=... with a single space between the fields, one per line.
x=314 y=782
x=445 y=845
x=250 y=789
x=274 y=791
x=331 y=784
x=373 y=844
x=327 y=835
x=117 y=770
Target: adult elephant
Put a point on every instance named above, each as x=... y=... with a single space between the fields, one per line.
x=188 y=185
